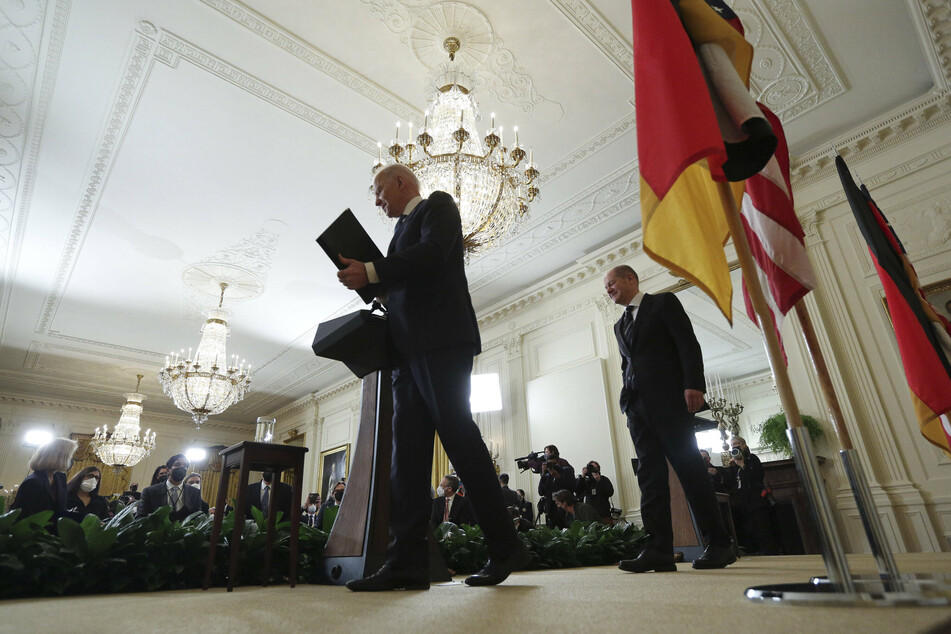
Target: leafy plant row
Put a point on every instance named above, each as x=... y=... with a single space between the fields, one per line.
x=129 y=554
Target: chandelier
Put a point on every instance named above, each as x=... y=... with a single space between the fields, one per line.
x=207 y=384
x=482 y=176
x=123 y=447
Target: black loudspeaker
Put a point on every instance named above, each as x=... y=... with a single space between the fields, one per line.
x=361 y=340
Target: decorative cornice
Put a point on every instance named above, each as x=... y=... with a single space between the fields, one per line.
x=558 y=315
x=300 y=405
x=593 y=145
x=314 y=57
x=587 y=19
x=330 y=392
x=613 y=194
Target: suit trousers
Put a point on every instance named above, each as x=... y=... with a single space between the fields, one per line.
x=431 y=394
x=657 y=439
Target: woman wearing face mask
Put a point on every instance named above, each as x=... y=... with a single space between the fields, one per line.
x=194 y=480
x=45 y=488
x=82 y=494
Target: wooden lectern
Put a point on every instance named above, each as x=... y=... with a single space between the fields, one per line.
x=358 y=540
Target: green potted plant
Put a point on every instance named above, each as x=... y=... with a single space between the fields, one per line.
x=773 y=437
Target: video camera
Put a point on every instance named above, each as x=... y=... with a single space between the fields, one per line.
x=534 y=461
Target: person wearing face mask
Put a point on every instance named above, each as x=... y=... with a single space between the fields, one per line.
x=328 y=512
x=183 y=500
x=269 y=492
x=82 y=494
x=525 y=508
x=450 y=507
x=45 y=488
x=308 y=516
x=194 y=480
x=159 y=475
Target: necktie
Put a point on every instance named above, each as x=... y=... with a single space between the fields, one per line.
x=445 y=514
x=628 y=325
x=265 y=498
x=173 y=496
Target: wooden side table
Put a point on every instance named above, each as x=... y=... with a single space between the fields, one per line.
x=256 y=456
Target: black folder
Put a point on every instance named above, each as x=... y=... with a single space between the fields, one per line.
x=346 y=236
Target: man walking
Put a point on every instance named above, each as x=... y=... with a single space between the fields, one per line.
x=663 y=388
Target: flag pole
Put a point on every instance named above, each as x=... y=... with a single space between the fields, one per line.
x=885 y=560
x=833 y=553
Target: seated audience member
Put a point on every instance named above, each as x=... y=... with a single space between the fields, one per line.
x=308 y=516
x=525 y=507
x=573 y=509
x=557 y=474
x=754 y=519
x=82 y=494
x=194 y=480
x=508 y=495
x=449 y=506
x=183 y=500
x=521 y=524
x=132 y=494
x=159 y=475
x=719 y=476
x=45 y=488
x=595 y=490
x=328 y=512
x=269 y=492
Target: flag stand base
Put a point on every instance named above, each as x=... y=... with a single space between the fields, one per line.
x=914 y=590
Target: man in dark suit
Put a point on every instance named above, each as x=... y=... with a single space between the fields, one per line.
x=459 y=511
x=663 y=388
x=434 y=328
x=184 y=500
x=510 y=496
x=267 y=492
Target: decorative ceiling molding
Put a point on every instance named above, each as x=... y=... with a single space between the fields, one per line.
x=19 y=151
x=590 y=147
x=298 y=406
x=423 y=27
x=883 y=178
x=314 y=57
x=596 y=28
x=894 y=128
x=340 y=388
x=613 y=194
x=152 y=44
x=127 y=96
x=791 y=72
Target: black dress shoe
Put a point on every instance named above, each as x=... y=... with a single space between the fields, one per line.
x=715 y=557
x=388 y=579
x=649 y=559
x=497 y=570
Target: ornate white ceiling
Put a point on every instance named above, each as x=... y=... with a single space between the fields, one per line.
x=145 y=146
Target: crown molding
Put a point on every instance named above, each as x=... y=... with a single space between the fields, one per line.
x=300 y=405
x=314 y=57
x=587 y=19
x=340 y=388
x=589 y=147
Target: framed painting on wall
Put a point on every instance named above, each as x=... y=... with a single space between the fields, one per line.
x=333 y=467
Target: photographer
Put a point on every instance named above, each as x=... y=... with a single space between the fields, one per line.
x=754 y=516
x=573 y=509
x=556 y=474
x=596 y=490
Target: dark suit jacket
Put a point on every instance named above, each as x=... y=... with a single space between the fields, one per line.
x=280 y=496
x=423 y=277
x=36 y=494
x=510 y=497
x=156 y=496
x=459 y=512
x=662 y=359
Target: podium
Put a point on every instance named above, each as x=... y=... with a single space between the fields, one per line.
x=359 y=538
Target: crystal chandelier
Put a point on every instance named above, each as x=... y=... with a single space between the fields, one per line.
x=486 y=184
x=123 y=447
x=200 y=385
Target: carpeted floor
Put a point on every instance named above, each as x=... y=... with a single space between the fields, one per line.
x=577 y=600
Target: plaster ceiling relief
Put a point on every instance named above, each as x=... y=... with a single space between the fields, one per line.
x=604 y=35
x=424 y=27
x=791 y=72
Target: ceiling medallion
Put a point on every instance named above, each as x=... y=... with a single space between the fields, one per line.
x=492 y=194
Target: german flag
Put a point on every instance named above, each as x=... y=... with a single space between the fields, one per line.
x=919 y=329
x=691 y=72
